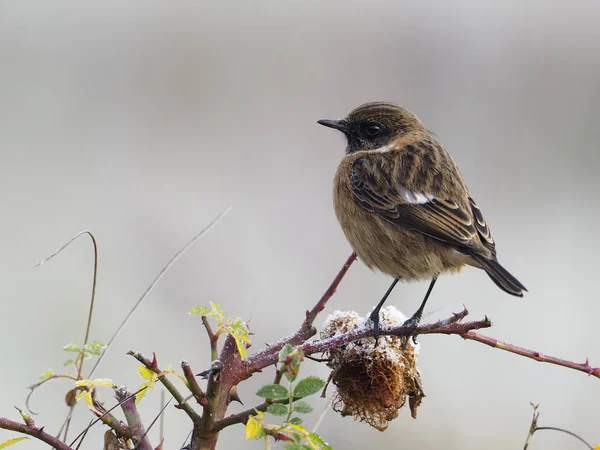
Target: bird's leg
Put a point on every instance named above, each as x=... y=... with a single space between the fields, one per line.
x=375 y=313
x=416 y=317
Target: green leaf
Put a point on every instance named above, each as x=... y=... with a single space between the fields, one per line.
x=308 y=386
x=201 y=310
x=272 y=391
x=94 y=348
x=315 y=439
x=254 y=429
x=296 y=421
x=286 y=350
x=72 y=348
x=294 y=446
x=214 y=311
x=302 y=407
x=46 y=374
x=12 y=441
x=69 y=362
x=277 y=409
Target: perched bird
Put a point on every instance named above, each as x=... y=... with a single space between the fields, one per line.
x=404 y=206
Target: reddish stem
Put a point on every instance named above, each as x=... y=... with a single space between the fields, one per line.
x=495 y=343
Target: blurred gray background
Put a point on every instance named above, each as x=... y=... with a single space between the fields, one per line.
x=143 y=120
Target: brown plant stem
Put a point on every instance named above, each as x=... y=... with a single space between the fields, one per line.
x=214 y=354
x=36 y=432
x=153 y=366
x=193 y=385
x=532 y=354
x=132 y=416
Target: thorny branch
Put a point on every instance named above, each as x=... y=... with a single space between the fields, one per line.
x=229 y=369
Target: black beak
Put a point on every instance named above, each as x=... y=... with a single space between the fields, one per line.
x=335 y=124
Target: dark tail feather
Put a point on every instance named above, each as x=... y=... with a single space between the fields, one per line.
x=499 y=275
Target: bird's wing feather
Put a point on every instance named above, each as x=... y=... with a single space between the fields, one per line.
x=375 y=190
x=485 y=234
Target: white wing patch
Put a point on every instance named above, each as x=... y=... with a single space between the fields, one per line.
x=414 y=196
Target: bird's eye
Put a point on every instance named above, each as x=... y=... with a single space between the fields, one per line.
x=372 y=129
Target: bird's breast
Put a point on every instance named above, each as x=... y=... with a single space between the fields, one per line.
x=387 y=247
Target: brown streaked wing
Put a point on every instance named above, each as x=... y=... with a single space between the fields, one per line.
x=440 y=219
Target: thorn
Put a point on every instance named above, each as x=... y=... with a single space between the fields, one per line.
x=307 y=312
x=154 y=362
x=204 y=374
x=233 y=395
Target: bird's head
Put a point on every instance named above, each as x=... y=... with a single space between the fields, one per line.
x=374 y=126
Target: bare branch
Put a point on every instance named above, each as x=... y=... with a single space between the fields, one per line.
x=154 y=283
x=36 y=432
x=132 y=416
x=532 y=354
x=193 y=386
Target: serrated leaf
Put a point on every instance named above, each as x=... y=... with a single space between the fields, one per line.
x=12 y=441
x=202 y=310
x=272 y=391
x=296 y=421
x=46 y=374
x=302 y=407
x=308 y=386
x=69 y=362
x=72 y=348
x=94 y=348
x=315 y=439
x=277 y=409
x=254 y=428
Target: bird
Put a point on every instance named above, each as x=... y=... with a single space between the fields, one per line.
x=404 y=207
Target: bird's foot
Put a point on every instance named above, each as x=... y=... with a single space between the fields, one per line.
x=376 y=330
x=412 y=323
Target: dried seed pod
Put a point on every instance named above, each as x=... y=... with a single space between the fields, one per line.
x=373 y=382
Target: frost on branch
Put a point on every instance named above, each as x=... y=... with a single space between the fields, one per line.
x=373 y=382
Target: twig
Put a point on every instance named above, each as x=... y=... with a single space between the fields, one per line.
x=534 y=428
x=154 y=283
x=192 y=383
x=212 y=339
x=212 y=390
x=79 y=367
x=98 y=419
x=306 y=330
x=153 y=366
x=320 y=306
x=531 y=354
x=161 y=417
x=36 y=432
x=533 y=425
x=132 y=416
x=242 y=417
